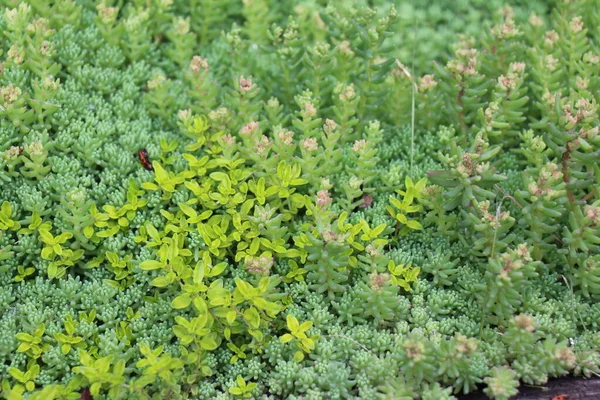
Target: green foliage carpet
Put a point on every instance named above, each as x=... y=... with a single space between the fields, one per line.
x=224 y=199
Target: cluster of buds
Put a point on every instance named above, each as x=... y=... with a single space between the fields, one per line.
x=50 y=83
x=566 y=357
x=576 y=25
x=262 y=146
x=228 y=140
x=508 y=82
x=583 y=109
x=8 y=95
x=426 y=83
x=513 y=260
x=185 y=116
x=494 y=221
x=506 y=30
x=249 y=128
x=533 y=142
x=345 y=93
x=535 y=20
x=16 y=54
x=12 y=153
x=246 y=85
x=354 y=182
x=524 y=322
x=465 y=345
x=309 y=111
x=46 y=48
x=260 y=266
x=329 y=126
x=325 y=184
x=378 y=281
x=548 y=98
x=468 y=167
x=591 y=58
x=309 y=144
x=40 y=26
x=17 y=17
x=373 y=250
x=329 y=236
x=548 y=178
x=344 y=48
x=181 y=26
x=263 y=214
x=465 y=63
x=360 y=146
x=34 y=149
x=108 y=15
x=415 y=350
x=220 y=116
x=323 y=198
x=550 y=63
x=551 y=38
x=286 y=137
x=198 y=65
x=592 y=213
x=157 y=81
x=582 y=83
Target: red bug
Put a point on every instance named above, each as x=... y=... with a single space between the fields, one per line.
x=145 y=160
x=561 y=397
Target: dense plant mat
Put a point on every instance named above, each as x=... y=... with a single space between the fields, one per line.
x=241 y=199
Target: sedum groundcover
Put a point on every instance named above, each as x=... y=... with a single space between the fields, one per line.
x=221 y=199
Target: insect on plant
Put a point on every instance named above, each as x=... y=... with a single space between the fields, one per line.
x=144 y=159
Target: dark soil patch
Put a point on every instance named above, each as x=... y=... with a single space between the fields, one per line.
x=570 y=388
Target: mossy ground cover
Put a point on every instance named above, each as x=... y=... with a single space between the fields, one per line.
x=214 y=199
